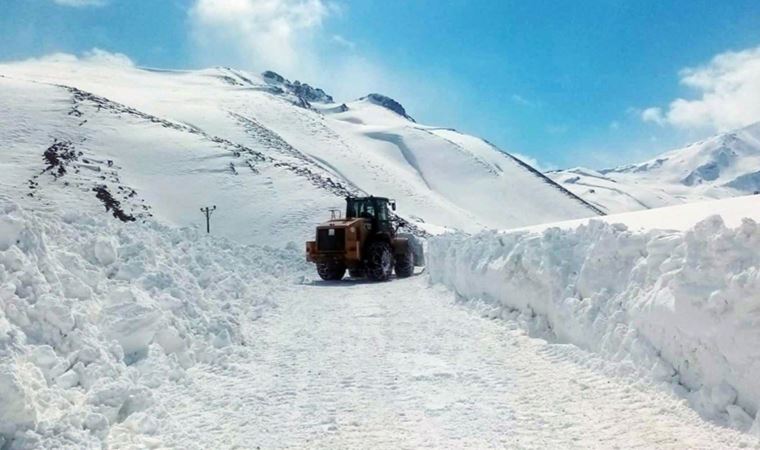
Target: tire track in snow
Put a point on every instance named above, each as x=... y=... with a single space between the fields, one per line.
x=403 y=365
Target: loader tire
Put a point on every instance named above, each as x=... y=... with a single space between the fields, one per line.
x=379 y=261
x=331 y=271
x=405 y=265
x=416 y=247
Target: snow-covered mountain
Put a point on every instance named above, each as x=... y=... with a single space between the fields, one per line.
x=270 y=153
x=726 y=165
x=129 y=332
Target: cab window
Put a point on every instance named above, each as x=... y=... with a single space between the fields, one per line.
x=382 y=211
x=361 y=208
x=367 y=210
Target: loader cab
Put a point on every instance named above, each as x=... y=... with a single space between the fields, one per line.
x=374 y=209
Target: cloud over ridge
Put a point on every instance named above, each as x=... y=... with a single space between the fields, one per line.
x=729 y=94
x=272 y=33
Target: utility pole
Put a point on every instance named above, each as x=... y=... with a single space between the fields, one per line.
x=207 y=211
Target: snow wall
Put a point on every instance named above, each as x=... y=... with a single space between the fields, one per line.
x=683 y=307
x=95 y=314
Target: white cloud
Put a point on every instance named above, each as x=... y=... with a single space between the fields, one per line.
x=343 y=42
x=105 y=57
x=533 y=162
x=271 y=34
x=80 y=3
x=653 y=114
x=729 y=90
x=95 y=55
x=293 y=37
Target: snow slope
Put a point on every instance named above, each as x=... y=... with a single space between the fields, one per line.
x=723 y=166
x=270 y=153
x=679 y=306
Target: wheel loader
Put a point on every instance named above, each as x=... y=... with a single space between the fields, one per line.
x=365 y=242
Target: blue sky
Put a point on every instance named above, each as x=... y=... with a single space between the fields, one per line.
x=594 y=82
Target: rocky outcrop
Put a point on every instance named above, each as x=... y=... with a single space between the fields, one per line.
x=389 y=103
x=302 y=91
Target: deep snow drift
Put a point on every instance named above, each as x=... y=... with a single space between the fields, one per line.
x=723 y=166
x=679 y=306
x=96 y=314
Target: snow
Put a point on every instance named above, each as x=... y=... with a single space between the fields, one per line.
x=186 y=139
x=676 y=306
x=404 y=365
x=141 y=335
x=123 y=325
x=681 y=217
x=95 y=315
x=722 y=166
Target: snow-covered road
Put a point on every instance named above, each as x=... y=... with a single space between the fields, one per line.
x=404 y=365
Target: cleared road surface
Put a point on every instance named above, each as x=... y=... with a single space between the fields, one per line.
x=403 y=365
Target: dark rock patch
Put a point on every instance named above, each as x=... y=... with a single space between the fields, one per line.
x=58 y=156
x=388 y=103
x=111 y=204
x=304 y=93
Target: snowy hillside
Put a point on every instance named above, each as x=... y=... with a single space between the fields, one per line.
x=270 y=153
x=726 y=165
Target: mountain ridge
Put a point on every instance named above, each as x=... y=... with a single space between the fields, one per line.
x=184 y=139
x=721 y=166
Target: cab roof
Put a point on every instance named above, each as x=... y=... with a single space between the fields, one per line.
x=369 y=197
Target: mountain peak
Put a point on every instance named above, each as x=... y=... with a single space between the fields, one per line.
x=303 y=91
x=388 y=103
x=724 y=165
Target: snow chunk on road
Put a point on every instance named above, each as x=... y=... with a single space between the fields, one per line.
x=104 y=251
x=681 y=306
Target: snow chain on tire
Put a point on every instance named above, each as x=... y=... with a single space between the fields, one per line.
x=379 y=261
x=405 y=265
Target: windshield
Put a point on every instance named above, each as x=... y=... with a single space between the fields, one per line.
x=368 y=208
x=360 y=208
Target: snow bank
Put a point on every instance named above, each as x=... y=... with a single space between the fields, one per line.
x=681 y=306
x=95 y=313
